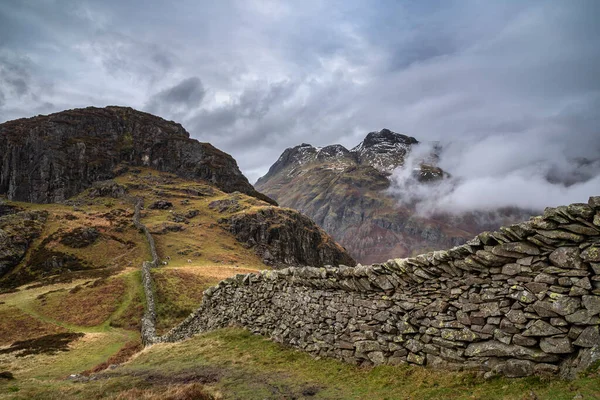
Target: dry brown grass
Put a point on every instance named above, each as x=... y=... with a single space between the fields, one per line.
x=16 y=325
x=192 y=391
x=124 y=354
x=178 y=293
x=89 y=305
x=216 y=272
x=179 y=290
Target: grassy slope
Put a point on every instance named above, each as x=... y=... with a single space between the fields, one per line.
x=179 y=290
x=107 y=306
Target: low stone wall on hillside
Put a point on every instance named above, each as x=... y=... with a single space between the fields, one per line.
x=148 y=329
x=521 y=301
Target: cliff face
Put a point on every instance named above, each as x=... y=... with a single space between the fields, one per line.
x=345 y=192
x=48 y=159
x=284 y=238
x=17 y=231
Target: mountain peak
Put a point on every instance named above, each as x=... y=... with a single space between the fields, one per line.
x=386 y=137
x=384 y=150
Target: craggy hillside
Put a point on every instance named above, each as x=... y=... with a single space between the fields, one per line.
x=50 y=158
x=92 y=234
x=71 y=338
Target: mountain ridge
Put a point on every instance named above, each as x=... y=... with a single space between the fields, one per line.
x=346 y=193
x=367 y=152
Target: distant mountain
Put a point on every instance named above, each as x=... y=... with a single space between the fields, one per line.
x=345 y=192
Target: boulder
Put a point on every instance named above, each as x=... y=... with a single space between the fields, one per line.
x=520 y=247
x=556 y=345
x=493 y=348
x=566 y=257
x=161 y=205
x=514 y=368
x=592 y=304
x=590 y=337
x=591 y=254
x=541 y=328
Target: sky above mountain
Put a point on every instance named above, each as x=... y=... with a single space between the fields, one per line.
x=512 y=85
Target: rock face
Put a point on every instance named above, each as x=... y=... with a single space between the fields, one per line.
x=17 y=231
x=345 y=192
x=454 y=309
x=284 y=238
x=384 y=150
x=80 y=237
x=48 y=159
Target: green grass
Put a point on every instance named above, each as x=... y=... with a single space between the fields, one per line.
x=43 y=373
x=255 y=368
x=239 y=365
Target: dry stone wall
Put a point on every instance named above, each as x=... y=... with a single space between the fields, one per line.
x=148 y=329
x=521 y=301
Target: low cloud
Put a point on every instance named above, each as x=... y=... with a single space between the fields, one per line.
x=491 y=175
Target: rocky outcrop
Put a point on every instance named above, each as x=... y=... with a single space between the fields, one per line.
x=108 y=188
x=346 y=193
x=285 y=238
x=521 y=301
x=384 y=150
x=17 y=231
x=47 y=159
x=7 y=209
x=80 y=237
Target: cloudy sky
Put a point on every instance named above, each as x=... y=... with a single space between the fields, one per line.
x=513 y=85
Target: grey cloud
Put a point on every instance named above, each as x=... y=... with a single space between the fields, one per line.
x=254 y=106
x=15 y=83
x=122 y=54
x=178 y=99
x=510 y=87
x=15 y=75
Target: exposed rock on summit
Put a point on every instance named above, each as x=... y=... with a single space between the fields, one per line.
x=384 y=150
x=50 y=158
